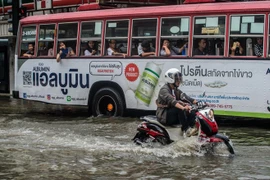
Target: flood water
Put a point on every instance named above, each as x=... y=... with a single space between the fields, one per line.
x=64 y=147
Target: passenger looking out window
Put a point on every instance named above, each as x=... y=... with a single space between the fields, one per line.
x=184 y=48
x=144 y=33
x=112 y=50
x=258 y=48
x=145 y=49
x=46 y=40
x=50 y=49
x=236 y=49
x=201 y=49
x=64 y=52
x=91 y=38
x=169 y=50
x=28 y=38
x=176 y=31
x=209 y=35
x=248 y=31
x=30 y=51
x=67 y=39
x=90 y=49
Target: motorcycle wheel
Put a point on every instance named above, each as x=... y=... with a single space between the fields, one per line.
x=229 y=146
x=162 y=140
x=214 y=148
x=227 y=142
x=140 y=138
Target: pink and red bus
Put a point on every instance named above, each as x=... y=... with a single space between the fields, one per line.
x=222 y=48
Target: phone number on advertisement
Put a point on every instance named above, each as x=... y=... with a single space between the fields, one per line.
x=226 y=106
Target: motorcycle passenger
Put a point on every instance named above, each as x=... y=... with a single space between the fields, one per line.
x=170 y=109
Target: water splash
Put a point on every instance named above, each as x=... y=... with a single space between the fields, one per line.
x=92 y=137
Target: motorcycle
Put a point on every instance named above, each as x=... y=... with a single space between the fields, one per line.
x=150 y=131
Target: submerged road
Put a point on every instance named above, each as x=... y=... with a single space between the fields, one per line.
x=40 y=141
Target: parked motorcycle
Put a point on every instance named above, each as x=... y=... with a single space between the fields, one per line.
x=150 y=131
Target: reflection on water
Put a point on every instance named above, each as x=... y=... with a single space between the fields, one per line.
x=54 y=147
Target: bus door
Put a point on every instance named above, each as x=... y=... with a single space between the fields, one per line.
x=4 y=67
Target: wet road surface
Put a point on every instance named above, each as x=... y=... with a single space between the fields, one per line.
x=59 y=146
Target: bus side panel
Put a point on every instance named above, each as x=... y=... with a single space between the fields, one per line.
x=233 y=87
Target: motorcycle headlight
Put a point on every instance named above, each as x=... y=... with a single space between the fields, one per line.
x=211 y=114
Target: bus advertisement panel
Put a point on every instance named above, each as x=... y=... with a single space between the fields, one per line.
x=115 y=60
x=232 y=87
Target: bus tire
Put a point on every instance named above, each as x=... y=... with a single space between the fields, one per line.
x=107 y=101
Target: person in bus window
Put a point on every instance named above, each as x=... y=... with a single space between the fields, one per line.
x=122 y=48
x=50 y=49
x=236 y=49
x=30 y=51
x=90 y=49
x=258 y=48
x=112 y=50
x=64 y=52
x=168 y=50
x=145 y=49
x=184 y=48
x=201 y=50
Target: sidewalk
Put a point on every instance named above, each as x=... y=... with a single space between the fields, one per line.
x=9 y=105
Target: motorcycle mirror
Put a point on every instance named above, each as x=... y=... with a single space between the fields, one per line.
x=204 y=94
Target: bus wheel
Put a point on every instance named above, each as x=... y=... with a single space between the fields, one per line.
x=107 y=101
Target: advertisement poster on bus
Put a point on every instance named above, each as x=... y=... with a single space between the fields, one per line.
x=230 y=86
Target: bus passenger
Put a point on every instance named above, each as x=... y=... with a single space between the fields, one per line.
x=90 y=49
x=236 y=49
x=112 y=50
x=184 y=48
x=64 y=52
x=168 y=50
x=145 y=49
x=258 y=48
x=30 y=51
x=50 y=49
x=200 y=51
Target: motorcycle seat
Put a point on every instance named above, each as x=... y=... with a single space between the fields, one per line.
x=152 y=119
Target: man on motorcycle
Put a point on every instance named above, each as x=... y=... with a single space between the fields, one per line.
x=170 y=109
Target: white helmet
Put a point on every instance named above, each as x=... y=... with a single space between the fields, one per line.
x=173 y=74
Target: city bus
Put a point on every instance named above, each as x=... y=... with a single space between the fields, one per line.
x=232 y=66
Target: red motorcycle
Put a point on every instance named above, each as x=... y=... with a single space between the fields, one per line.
x=150 y=131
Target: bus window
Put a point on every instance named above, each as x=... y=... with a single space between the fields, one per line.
x=209 y=35
x=91 y=38
x=28 y=41
x=144 y=32
x=116 y=37
x=46 y=40
x=246 y=35
x=174 y=36
x=67 y=34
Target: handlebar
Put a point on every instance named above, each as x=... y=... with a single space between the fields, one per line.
x=200 y=105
